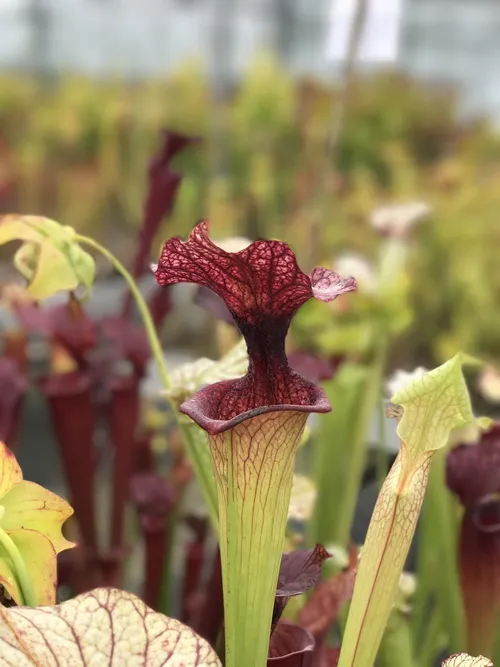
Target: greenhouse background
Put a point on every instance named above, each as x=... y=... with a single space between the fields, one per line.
x=451 y=41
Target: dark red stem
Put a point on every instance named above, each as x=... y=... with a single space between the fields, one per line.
x=123 y=421
x=156 y=548
x=208 y=620
x=69 y=398
x=194 y=561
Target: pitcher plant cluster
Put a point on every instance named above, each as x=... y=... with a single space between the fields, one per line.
x=286 y=585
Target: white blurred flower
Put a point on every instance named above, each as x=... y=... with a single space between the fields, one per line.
x=470 y=434
x=406 y=590
x=489 y=384
x=302 y=499
x=189 y=378
x=407 y=585
x=340 y=556
x=398 y=219
x=360 y=268
x=400 y=379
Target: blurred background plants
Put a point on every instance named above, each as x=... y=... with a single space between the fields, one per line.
x=81 y=158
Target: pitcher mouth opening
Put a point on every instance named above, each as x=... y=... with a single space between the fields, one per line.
x=204 y=407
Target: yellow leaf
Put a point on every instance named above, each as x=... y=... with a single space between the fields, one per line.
x=30 y=506
x=32 y=228
x=40 y=561
x=10 y=472
x=50 y=259
x=52 y=274
x=104 y=627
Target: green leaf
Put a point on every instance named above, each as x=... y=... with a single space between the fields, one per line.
x=103 y=627
x=396 y=647
x=438 y=537
x=341 y=447
x=50 y=258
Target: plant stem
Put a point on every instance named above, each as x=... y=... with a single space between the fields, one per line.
x=396 y=645
x=141 y=305
x=338 y=114
x=367 y=395
x=198 y=450
x=434 y=641
x=24 y=580
x=197 y=459
x=332 y=453
x=427 y=566
x=165 y=599
x=445 y=544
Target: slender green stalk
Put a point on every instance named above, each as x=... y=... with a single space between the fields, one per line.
x=434 y=641
x=367 y=395
x=332 y=452
x=165 y=600
x=198 y=450
x=142 y=306
x=198 y=459
x=427 y=564
x=23 y=577
x=396 y=645
x=496 y=650
x=443 y=530
x=341 y=447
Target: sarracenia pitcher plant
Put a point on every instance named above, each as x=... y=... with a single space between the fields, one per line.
x=254 y=423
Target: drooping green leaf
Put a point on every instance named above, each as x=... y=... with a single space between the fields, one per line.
x=50 y=258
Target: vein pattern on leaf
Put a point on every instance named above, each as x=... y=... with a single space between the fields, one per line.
x=103 y=628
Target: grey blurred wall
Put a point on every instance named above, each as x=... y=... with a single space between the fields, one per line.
x=144 y=37
x=454 y=41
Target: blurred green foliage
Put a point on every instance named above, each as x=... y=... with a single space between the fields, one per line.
x=77 y=152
